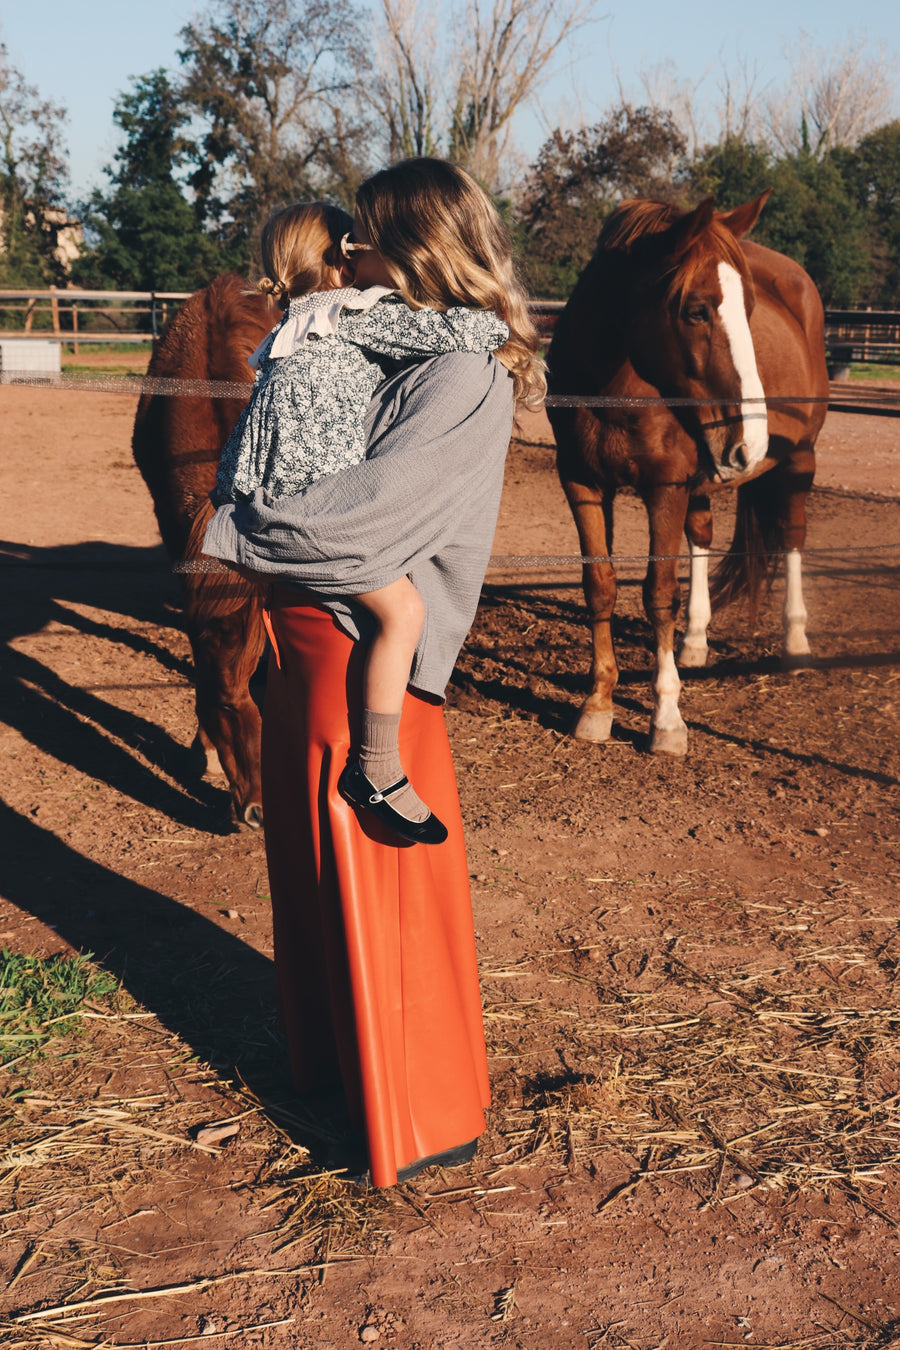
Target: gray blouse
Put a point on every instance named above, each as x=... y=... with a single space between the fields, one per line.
x=423 y=504
x=306 y=414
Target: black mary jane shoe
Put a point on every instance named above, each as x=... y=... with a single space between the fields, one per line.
x=357 y=788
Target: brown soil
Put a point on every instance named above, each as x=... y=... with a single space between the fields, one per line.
x=689 y=967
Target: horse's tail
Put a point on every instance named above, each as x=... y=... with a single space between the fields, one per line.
x=749 y=566
x=210 y=594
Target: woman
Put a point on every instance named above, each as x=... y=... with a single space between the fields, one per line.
x=374 y=944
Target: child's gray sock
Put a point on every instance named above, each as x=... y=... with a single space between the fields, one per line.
x=379 y=759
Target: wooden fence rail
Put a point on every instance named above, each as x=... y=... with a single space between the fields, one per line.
x=67 y=311
x=77 y=317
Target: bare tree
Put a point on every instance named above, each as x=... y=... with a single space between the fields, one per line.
x=739 y=103
x=457 y=92
x=832 y=97
x=667 y=91
x=407 y=87
x=733 y=115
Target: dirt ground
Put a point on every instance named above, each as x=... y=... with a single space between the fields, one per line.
x=689 y=967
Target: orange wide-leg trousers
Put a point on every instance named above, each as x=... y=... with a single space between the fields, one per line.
x=374 y=942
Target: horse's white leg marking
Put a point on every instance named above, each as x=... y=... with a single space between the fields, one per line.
x=796 y=645
x=733 y=317
x=206 y=757
x=699 y=611
x=668 y=734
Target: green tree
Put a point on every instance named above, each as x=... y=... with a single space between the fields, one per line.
x=577 y=179
x=731 y=172
x=872 y=173
x=146 y=234
x=273 y=86
x=811 y=216
x=33 y=174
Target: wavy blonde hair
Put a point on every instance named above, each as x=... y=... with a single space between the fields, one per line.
x=301 y=250
x=444 y=244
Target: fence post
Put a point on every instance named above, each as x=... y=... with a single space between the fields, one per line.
x=153 y=314
x=74 y=328
x=29 y=313
x=54 y=310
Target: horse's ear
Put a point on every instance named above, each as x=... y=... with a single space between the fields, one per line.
x=682 y=234
x=741 y=220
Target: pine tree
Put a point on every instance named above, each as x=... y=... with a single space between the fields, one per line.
x=147 y=234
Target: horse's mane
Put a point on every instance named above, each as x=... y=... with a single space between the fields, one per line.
x=214 y=331
x=642 y=217
x=238 y=304
x=635 y=218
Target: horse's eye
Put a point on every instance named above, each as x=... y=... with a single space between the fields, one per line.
x=697 y=314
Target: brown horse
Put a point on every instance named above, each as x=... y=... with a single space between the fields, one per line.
x=176 y=446
x=673 y=305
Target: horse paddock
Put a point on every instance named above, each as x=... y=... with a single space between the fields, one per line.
x=689 y=966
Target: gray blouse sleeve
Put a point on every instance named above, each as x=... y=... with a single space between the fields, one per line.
x=436 y=435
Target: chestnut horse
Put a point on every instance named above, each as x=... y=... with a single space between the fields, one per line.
x=176 y=444
x=673 y=305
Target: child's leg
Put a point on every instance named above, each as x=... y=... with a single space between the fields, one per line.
x=399 y=614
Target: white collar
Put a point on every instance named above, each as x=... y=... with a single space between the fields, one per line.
x=318 y=312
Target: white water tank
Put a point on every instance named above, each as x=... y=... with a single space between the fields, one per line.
x=33 y=358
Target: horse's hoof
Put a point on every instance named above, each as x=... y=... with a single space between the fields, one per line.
x=794 y=663
x=692 y=656
x=668 y=741
x=593 y=726
x=253 y=816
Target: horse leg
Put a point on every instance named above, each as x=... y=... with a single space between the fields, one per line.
x=796 y=476
x=667 y=510
x=592 y=508
x=698 y=528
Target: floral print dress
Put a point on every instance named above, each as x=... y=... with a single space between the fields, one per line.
x=317 y=371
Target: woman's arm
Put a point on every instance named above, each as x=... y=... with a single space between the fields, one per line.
x=437 y=435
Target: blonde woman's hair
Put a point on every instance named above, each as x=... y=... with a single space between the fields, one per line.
x=301 y=250
x=444 y=244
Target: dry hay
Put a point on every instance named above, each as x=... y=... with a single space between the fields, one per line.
x=772 y=1073
x=864 y=1336
x=67 y=1139
x=768 y=1074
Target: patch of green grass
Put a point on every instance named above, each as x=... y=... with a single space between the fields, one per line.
x=41 y=997
x=137 y=369
x=874 y=372
x=106 y=348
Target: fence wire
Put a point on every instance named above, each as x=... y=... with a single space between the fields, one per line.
x=178 y=388
x=169 y=387
x=879 y=405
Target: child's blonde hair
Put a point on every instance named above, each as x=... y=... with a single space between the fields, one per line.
x=301 y=250
x=444 y=244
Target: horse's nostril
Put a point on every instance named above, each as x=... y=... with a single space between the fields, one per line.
x=738 y=456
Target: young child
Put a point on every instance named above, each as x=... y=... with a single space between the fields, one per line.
x=316 y=372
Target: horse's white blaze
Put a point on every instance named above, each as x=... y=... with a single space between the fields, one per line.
x=733 y=317
x=794 y=613
x=666 y=689
x=699 y=610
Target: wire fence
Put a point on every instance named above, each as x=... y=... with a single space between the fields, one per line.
x=877 y=403
x=239 y=390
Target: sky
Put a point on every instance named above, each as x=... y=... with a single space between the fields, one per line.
x=83 y=54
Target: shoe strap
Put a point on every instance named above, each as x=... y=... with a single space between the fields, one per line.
x=386 y=792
